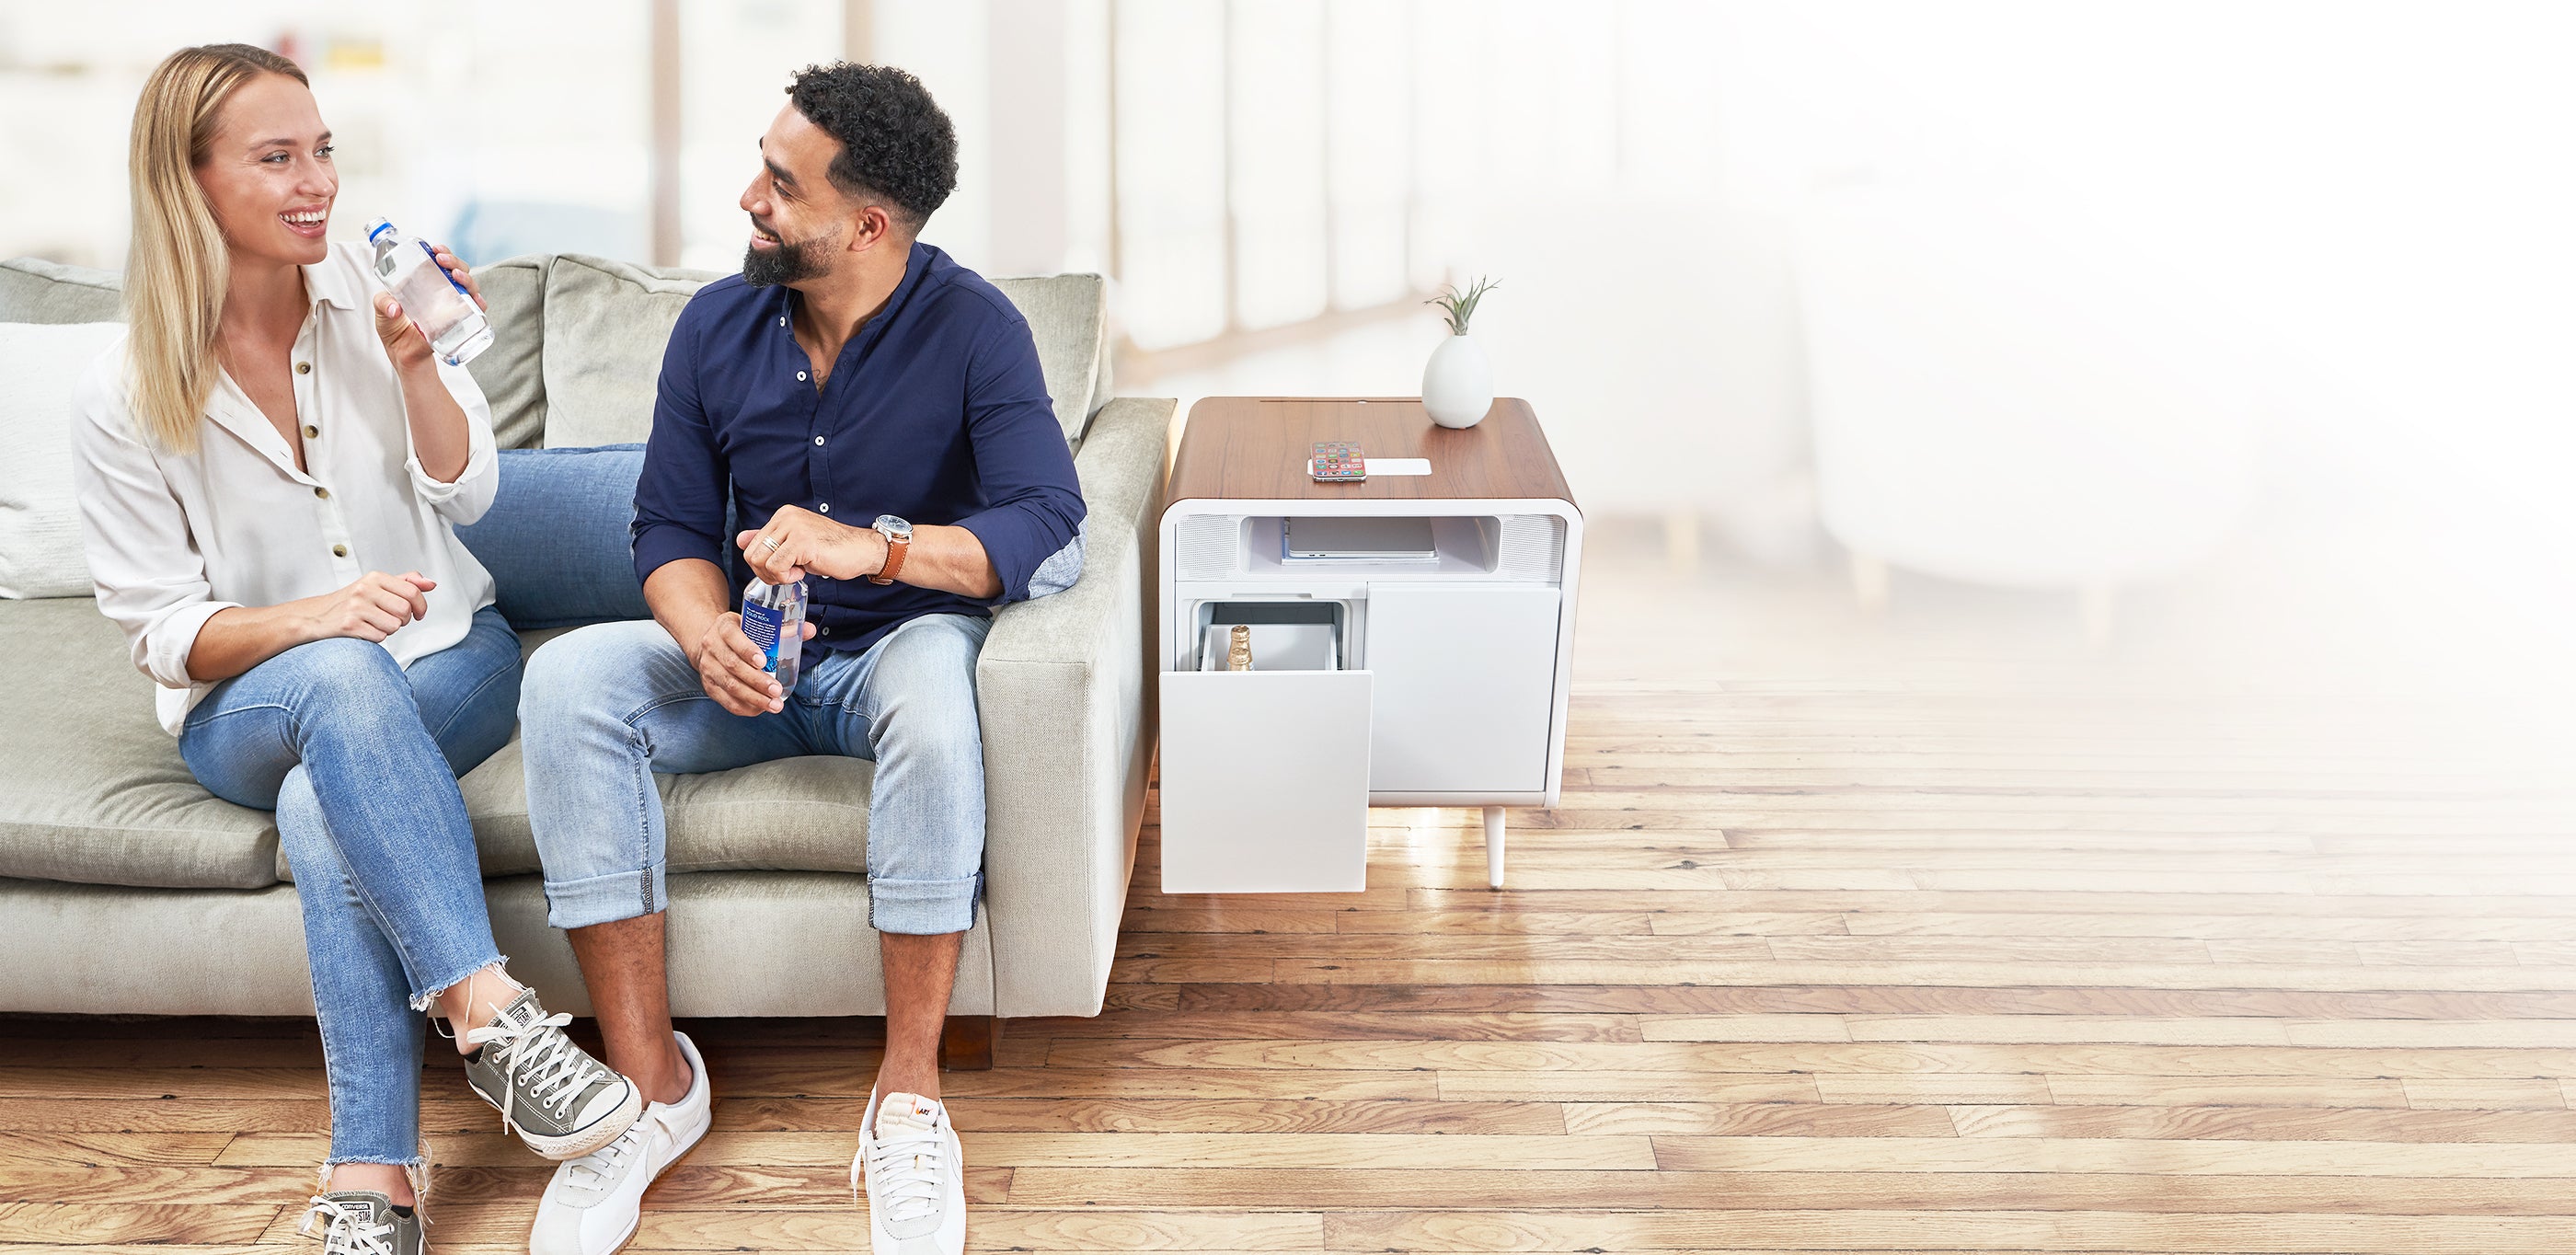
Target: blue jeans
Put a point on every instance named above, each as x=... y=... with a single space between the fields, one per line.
x=359 y=758
x=606 y=706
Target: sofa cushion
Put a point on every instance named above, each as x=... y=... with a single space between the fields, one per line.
x=793 y=815
x=35 y=290
x=91 y=788
x=556 y=538
x=511 y=371
x=606 y=323
x=1068 y=317
x=40 y=538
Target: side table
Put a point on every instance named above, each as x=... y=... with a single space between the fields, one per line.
x=1428 y=677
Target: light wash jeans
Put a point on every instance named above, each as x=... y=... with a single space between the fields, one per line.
x=359 y=758
x=607 y=706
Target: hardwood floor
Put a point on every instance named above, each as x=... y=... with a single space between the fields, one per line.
x=1929 y=932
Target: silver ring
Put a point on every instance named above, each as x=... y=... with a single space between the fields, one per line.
x=770 y=541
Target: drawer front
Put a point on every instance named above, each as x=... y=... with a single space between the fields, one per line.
x=1466 y=687
x=1265 y=781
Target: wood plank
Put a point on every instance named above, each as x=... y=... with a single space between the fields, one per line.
x=1478 y=1191
x=1871 y=1057
x=2536 y=1162
x=1714 y=1230
x=1772 y=1119
x=132 y=1220
x=2289 y=1124
x=1309 y=1150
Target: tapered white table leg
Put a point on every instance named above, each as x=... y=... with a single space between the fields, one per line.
x=1493 y=847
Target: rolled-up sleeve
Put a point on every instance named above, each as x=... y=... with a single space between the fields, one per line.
x=1033 y=497
x=143 y=562
x=466 y=498
x=680 y=496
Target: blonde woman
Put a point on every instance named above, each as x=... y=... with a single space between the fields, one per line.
x=268 y=443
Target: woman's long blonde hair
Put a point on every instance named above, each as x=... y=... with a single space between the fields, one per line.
x=178 y=266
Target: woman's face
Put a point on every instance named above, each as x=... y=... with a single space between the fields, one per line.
x=268 y=174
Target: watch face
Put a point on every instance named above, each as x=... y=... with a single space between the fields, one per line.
x=893 y=526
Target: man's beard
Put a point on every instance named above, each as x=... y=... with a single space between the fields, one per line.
x=786 y=263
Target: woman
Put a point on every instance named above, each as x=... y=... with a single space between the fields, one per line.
x=270 y=439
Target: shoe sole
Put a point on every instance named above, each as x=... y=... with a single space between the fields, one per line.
x=581 y=1142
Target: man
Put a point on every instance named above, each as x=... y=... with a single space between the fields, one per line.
x=849 y=374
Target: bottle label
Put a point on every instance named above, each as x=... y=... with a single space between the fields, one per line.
x=762 y=624
x=443 y=272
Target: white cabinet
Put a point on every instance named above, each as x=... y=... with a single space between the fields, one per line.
x=1265 y=781
x=1466 y=680
x=1410 y=635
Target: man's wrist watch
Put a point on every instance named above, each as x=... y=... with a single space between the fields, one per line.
x=898 y=539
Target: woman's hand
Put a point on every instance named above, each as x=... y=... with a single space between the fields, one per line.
x=402 y=337
x=371 y=609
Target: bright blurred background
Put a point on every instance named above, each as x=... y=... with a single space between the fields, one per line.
x=2237 y=331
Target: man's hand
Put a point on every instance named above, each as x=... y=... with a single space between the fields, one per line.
x=798 y=541
x=729 y=668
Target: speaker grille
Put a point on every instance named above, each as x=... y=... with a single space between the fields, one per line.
x=1533 y=547
x=1211 y=546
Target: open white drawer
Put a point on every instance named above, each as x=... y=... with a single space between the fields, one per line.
x=1265 y=781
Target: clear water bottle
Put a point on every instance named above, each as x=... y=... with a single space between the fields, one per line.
x=773 y=616
x=439 y=305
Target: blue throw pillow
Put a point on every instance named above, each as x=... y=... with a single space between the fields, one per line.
x=557 y=538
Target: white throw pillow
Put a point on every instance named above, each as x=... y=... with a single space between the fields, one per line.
x=40 y=537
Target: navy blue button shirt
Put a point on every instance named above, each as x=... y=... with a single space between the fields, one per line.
x=935 y=412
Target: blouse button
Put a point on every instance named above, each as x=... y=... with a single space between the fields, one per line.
x=323 y=493
x=304 y=368
x=800 y=376
x=311 y=431
x=826 y=507
x=818 y=440
x=339 y=551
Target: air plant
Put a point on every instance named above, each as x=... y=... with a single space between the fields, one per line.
x=1457 y=307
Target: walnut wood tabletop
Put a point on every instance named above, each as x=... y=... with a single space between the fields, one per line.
x=1255 y=449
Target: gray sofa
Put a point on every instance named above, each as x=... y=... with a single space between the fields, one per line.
x=124 y=887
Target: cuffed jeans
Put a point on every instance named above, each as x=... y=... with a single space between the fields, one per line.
x=607 y=706
x=359 y=758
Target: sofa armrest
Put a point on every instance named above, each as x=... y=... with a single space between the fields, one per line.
x=1069 y=730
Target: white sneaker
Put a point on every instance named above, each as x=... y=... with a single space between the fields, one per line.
x=593 y=1204
x=915 y=1177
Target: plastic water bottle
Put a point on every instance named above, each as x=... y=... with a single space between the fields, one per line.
x=773 y=616
x=435 y=302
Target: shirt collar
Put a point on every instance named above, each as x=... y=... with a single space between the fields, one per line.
x=916 y=265
x=334 y=281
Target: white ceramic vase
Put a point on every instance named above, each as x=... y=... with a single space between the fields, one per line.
x=1458 y=383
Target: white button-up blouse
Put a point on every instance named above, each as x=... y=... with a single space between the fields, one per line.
x=172 y=539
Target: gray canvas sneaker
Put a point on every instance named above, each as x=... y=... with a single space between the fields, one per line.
x=560 y=1101
x=364 y=1222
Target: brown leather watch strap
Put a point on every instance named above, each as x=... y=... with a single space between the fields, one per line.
x=896 y=552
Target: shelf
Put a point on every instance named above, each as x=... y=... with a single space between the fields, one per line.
x=1465 y=544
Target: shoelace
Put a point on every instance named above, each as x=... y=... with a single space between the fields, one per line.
x=601 y=1165
x=554 y=1068
x=904 y=1167
x=351 y=1229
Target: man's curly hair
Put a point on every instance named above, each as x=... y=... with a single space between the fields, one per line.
x=896 y=143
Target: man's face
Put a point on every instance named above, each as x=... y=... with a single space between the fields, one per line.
x=800 y=222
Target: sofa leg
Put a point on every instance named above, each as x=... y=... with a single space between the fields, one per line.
x=966 y=1044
